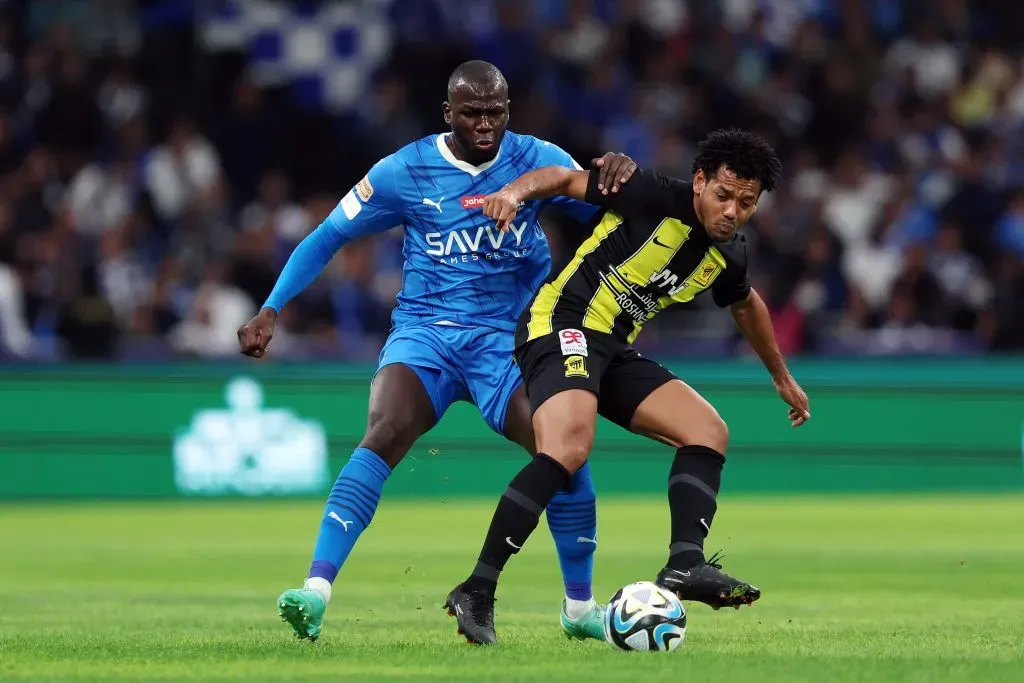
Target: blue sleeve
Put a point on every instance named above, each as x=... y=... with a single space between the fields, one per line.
x=371 y=206
x=553 y=155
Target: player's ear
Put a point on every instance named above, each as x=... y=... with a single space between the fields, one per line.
x=699 y=181
x=446 y=109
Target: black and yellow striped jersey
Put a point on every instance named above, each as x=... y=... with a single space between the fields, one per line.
x=649 y=251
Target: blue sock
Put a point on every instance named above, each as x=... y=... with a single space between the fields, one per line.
x=350 y=508
x=572 y=519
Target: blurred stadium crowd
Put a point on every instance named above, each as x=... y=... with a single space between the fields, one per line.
x=159 y=160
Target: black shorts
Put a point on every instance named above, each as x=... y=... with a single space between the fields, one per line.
x=578 y=358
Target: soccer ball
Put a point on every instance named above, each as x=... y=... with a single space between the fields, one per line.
x=644 y=616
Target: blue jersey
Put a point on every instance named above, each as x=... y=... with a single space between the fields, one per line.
x=458 y=268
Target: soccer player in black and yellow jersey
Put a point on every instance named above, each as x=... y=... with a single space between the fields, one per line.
x=661 y=241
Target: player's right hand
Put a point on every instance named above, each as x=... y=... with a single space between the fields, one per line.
x=502 y=206
x=614 y=170
x=791 y=393
x=255 y=335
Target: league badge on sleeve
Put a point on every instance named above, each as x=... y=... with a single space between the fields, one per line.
x=364 y=188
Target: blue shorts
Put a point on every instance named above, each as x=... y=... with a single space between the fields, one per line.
x=471 y=364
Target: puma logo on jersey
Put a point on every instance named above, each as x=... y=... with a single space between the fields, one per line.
x=436 y=205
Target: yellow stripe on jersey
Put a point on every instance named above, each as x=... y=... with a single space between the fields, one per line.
x=654 y=255
x=604 y=305
x=544 y=305
x=642 y=267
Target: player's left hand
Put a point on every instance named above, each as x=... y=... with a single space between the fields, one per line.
x=791 y=393
x=614 y=170
x=502 y=206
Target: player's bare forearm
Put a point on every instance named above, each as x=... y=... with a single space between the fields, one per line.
x=541 y=183
x=755 y=322
x=550 y=181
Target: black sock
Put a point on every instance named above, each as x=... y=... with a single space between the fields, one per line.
x=516 y=517
x=693 y=485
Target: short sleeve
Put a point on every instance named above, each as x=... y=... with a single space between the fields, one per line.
x=552 y=155
x=733 y=285
x=645 y=190
x=371 y=206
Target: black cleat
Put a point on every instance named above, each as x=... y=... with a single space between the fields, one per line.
x=474 y=611
x=707 y=583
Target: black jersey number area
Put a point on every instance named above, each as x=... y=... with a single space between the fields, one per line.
x=648 y=252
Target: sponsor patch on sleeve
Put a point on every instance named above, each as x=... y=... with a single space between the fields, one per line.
x=573 y=342
x=350 y=205
x=364 y=188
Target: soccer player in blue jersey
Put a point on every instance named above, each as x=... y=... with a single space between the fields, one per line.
x=465 y=283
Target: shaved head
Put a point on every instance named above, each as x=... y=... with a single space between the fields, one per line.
x=478 y=77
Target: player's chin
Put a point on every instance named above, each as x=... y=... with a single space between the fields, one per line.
x=722 y=234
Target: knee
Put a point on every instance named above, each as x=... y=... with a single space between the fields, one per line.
x=698 y=428
x=571 y=457
x=564 y=427
x=574 y=446
x=389 y=438
x=717 y=433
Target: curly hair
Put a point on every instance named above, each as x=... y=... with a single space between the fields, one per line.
x=743 y=153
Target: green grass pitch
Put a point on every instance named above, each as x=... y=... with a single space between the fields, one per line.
x=868 y=589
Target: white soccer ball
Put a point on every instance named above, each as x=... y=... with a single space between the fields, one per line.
x=644 y=616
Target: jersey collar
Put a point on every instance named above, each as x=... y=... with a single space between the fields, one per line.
x=469 y=168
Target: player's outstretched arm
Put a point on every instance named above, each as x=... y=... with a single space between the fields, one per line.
x=371 y=206
x=305 y=264
x=752 y=317
x=541 y=183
